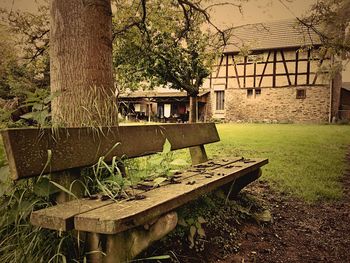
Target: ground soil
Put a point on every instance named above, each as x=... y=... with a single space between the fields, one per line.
x=299 y=232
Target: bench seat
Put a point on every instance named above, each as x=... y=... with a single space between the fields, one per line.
x=111 y=217
x=117 y=231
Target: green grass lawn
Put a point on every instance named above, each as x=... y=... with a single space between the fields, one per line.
x=305 y=160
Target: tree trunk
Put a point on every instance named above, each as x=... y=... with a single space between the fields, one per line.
x=81 y=63
x=193 y=109
x=82 y=73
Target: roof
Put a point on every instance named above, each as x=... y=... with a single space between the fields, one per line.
x=155 y=94
x=346 y=85
x=272 y=35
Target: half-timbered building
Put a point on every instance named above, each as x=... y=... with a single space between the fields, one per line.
x=273 y=72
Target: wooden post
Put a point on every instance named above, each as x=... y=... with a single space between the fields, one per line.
x=149 y=110
x=235 y=187
x=198 y=154
x=95 y=247
x=70 y=180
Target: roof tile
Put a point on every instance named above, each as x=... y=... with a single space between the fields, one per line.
x=272 y=35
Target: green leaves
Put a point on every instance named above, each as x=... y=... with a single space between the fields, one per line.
x=191 y=234
x=44 y=187
x=37 y=116
x=174 y=51
x=166 y=147
x=39 y=101
x=63 y=189
x=264 y=216
x=194 y=226
x=157 y=181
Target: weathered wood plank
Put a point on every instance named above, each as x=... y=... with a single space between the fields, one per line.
x=61 y=216
x=124 y=215
x=28 y=149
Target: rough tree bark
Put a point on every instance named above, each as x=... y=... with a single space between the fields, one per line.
x=193 y=109
x=81 y=63
x=82 y=74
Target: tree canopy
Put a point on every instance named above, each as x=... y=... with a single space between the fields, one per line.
x=331 y=21
x=24 y=48
x=155 y=42
x=165 y=49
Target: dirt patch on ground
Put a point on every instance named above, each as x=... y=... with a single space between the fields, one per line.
x=300 y=232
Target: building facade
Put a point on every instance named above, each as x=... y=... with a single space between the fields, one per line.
x=274 y=72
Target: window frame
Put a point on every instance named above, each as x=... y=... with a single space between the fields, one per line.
x=250 y=93
x=219 y=100
x=300 y=94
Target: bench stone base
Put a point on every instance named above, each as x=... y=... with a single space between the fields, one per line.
x=125 y=246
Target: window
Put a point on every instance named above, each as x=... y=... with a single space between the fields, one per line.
x=220 y=99
x=301 y=93
x=253 y=93
x=257 y=92
x=249 y=93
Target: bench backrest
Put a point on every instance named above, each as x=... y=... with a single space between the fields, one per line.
x=33 y=151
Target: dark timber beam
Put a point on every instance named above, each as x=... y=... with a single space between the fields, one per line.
x=308 y=67
x=296 y=68
x=220 y=64
x=263 y=73
x=236 y=71
x=254 y=82
x=226 y=72
x=245 y=71
x=274 y=68
x=266 y=75
x=286 y=68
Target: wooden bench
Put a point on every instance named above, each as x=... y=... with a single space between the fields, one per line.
x=32 y=152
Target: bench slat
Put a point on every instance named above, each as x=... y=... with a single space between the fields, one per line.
x=124 y=215
x=28 y=149
x=61 y=216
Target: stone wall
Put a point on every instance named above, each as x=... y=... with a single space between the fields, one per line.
x=278 y=104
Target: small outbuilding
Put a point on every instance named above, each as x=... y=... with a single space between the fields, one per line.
x=345 y=102
x=161 y=106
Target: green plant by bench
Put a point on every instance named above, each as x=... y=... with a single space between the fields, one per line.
x=120 y=229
